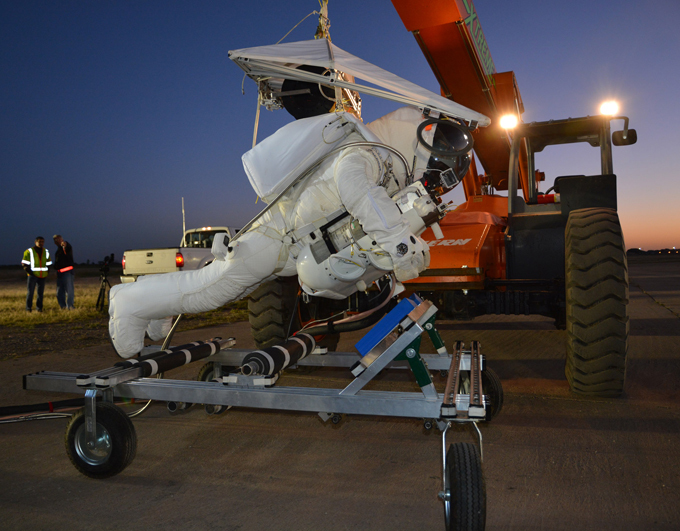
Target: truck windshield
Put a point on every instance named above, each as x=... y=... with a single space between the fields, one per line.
x=203 y=239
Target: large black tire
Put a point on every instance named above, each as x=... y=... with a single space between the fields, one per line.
x=270 y=310
x=464 y=489
x=116 y=442
x=274 y=316
x=596 y=271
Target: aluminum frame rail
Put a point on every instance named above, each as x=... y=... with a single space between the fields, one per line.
x=381 y=348
x=306 y=399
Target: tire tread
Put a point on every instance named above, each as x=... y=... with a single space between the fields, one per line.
x=124 y=443
x=467 y=487
x=270 y=308
x=597 y=294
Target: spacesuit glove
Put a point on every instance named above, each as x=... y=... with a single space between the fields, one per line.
x=159 y=328
x=411 y=256
x=125 y=330
x=127 y=335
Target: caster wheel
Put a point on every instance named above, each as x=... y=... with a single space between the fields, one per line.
x=176 y=407
x=493 y=390
x=113 y=447
x=212 y=409
x=207 y=372
x=464 y=490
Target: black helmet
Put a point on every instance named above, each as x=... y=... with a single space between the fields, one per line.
x=450 y=149
x=307 y=98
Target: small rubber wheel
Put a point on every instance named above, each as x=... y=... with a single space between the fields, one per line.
x=207 y=372
x=464 y=489
x=493 y=390
x=114 y=446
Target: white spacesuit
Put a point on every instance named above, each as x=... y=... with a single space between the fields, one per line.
x=348 y=178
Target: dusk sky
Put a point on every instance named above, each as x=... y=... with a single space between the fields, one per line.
x=112 y=111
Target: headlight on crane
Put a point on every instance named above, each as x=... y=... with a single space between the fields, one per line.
x=509 y=121
x=609 y=108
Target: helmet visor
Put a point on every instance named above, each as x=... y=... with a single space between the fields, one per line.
x=450 y=138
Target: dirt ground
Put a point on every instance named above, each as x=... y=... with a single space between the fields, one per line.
x=18 y=342
x=552 y=460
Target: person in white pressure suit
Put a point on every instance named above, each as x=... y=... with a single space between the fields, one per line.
x=348 y=178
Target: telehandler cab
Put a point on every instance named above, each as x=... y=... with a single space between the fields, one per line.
x=560 y=254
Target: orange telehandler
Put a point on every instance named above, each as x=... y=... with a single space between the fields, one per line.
x=558 y=253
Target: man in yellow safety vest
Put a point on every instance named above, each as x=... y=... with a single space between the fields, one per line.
x=36 y=261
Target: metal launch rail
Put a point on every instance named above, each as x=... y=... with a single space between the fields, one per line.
x=101 y=439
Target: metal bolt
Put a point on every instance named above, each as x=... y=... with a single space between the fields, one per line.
x=410 y=353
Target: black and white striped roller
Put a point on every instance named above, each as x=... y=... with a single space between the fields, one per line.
x=136 y=361
x=174 y=357
x=272 y=360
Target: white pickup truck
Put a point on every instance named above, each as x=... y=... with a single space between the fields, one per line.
x=193 y=253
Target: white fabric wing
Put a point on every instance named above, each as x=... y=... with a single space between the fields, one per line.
x=280 y=60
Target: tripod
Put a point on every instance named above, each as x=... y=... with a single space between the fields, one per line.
x=102 y=302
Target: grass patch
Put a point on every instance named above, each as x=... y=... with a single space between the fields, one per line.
x=24 y=334
x=13 y=309
x=13 y=306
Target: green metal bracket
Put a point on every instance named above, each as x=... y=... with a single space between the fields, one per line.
x=436 y=339
x=411 y=354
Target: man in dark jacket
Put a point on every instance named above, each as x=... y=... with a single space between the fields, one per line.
x=63 y=263
x=36 y=261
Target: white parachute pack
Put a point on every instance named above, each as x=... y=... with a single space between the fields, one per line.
x=279 y=159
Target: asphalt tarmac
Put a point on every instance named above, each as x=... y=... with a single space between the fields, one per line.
x=552 y=459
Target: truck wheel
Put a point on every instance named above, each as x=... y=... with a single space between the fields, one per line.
x=114 y=445
x=270 y=309
x=596 y=271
